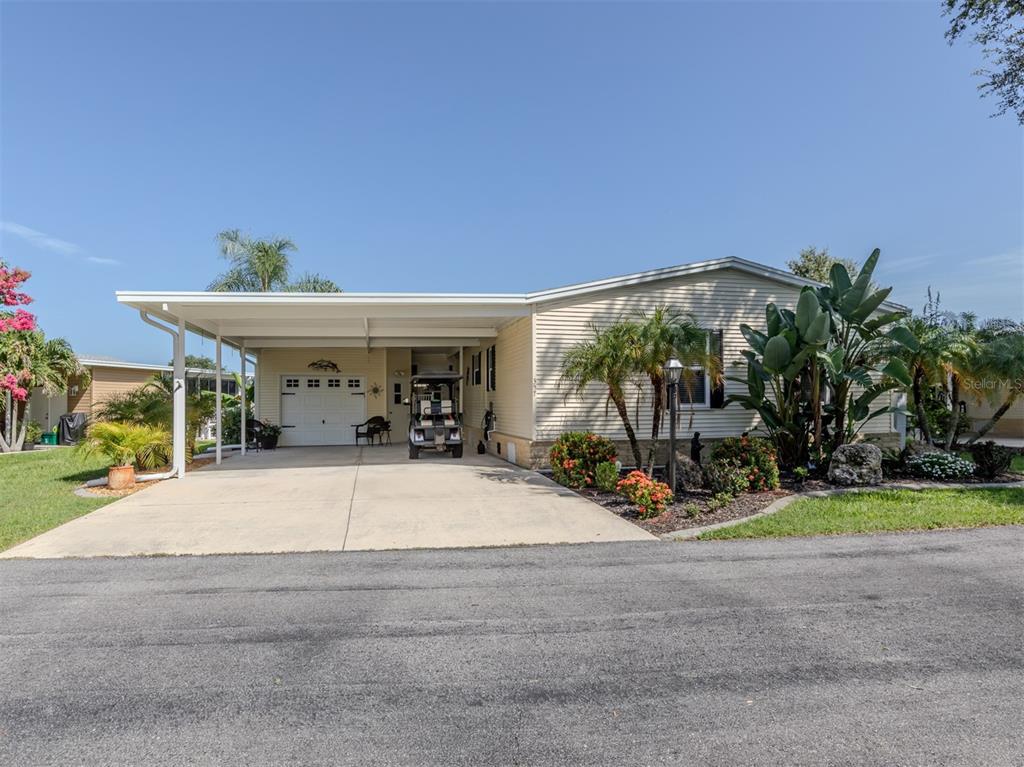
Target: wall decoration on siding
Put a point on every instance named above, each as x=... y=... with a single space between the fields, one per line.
x=325 y=365
x=375 y=389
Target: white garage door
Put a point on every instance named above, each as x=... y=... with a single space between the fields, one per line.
x=320 y=409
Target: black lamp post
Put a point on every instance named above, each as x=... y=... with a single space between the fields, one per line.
x=673 y=370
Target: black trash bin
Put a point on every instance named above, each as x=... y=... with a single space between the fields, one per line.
x=70 y=428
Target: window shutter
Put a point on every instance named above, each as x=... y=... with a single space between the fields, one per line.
x=718 y=392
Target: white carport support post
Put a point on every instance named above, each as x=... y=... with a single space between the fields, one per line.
x=219 y=416
x=241 y=400
x=256 y=385
x=178 y=430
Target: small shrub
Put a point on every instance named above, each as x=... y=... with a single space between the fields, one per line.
x=724 y=476
x=33 y=432
x=753 y=454
x=939 y=466
x=575 y=455
x=606 y=476
x=800 y=473
x=892 y=463
x=649 y=496
x=991 y=459
x=720 y=501
x=691 y=510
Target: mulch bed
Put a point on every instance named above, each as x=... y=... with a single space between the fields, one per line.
x=105 y=492
x=675 y=516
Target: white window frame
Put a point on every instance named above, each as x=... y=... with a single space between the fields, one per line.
x=706 y=404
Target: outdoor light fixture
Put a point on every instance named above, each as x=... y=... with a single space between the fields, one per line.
x=673 y=371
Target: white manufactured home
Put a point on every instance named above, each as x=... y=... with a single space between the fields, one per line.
x=325 y=362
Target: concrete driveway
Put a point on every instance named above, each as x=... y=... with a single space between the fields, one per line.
x=336 y=499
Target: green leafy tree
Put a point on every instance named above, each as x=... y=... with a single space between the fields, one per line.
x=197 y=362
x=816 y=264
x=997 y=27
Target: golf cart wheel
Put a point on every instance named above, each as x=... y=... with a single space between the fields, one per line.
x=414 y=452
x=457 y=451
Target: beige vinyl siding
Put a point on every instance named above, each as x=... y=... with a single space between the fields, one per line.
x=982 y=405
x=513 y=394
x=720 y=300
x=107 y=383
x=274 y=363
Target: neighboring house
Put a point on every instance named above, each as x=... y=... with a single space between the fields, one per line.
x=507 y=348
x=109 y=377
x=980 y=411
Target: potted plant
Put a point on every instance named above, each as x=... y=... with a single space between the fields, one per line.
x=269 y=436
x=127 y=445
x=33 y=433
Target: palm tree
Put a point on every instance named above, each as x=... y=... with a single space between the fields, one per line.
x=255 y=265
x=311 y=282
x=605 y=359
x=44 y=363
x=961 y=350
x=1002 y=358
x=658 y=336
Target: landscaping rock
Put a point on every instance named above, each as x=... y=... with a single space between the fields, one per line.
x=859 y=464
x=688 y=473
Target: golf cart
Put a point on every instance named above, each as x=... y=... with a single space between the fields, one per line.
x=434 y=420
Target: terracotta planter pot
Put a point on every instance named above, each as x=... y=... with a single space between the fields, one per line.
x=120 y=477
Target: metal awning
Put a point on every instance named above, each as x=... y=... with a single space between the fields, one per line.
x=370 y=320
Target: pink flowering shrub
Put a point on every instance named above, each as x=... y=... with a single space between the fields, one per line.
x=649 y=496
x=575 y=455
x=11 y=280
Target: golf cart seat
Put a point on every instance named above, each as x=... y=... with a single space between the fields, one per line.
x=436 y=407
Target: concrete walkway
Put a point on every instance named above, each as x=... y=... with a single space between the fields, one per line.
x=336 y=499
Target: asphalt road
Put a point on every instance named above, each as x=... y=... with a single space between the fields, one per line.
x=901 y=649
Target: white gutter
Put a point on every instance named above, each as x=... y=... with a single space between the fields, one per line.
x=175 y=470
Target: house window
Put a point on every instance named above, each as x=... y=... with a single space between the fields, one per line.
x=289 y=383
x=695 y=389
x=398 y=394
x=312 y=383
x=476 y=369
x=492 y=382
x=333 y=383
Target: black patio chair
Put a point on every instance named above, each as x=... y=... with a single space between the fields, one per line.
x=369 y=429
x=253 y=434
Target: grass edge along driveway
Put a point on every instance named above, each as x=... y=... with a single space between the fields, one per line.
x=37 y=492
x=882 y=511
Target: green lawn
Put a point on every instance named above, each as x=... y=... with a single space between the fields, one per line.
x=202 y=444
x=882 y=510
x=36 y=492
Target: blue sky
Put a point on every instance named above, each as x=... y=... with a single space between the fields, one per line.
x=493 y=147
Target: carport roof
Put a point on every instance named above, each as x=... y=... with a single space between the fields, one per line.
x=260 y=320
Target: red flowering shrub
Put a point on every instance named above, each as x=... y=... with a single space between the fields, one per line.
x=755 y=456
x=649 y=496
x=575 y=455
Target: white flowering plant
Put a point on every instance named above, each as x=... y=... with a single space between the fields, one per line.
x=939 y=466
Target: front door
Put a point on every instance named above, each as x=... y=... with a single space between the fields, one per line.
x=321 y=409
